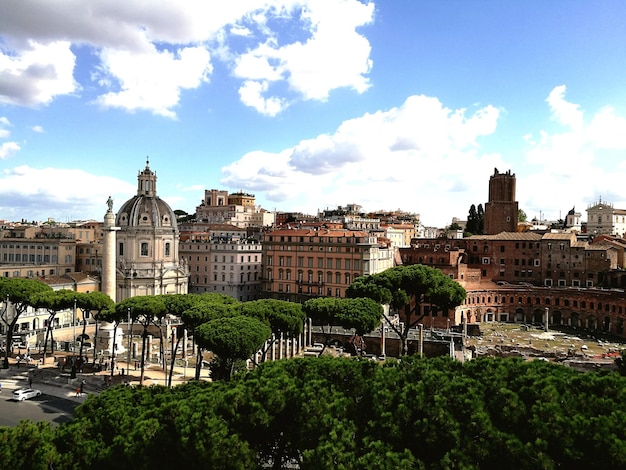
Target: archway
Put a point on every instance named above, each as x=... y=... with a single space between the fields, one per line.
x=520 y=317
x=489 y=315
x=591 y=323
x=538 y=316
x=574 y=319
x=606 y=324
x=557 y=318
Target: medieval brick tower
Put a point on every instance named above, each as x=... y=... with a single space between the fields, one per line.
x=501 y=211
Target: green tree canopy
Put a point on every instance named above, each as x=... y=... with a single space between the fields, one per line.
x=408 y=289
x=231 y=339
x=54 y=301
x=207 y=307
x=521 y=216
x=346 y=413
x=146 y=310
x=20 y=294
x=361 y=314
x=284 y=318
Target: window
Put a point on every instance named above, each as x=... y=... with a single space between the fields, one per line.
x=121 y=249
x=167 y=249
x=144 y=249
x=485 y=260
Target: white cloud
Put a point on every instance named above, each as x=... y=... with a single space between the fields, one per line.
x=150 y=51
x=564 y=112
x=575 y=166
x=251 y=94
x=153 y=80
x=399 y=157
x=4 y=133
x=37 y=74
x=38 y=129
x=333 y=56
x=75 y=194
x=8 y=149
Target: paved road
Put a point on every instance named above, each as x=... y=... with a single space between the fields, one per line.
x=52 y=406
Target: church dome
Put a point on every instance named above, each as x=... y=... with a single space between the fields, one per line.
x=146 y=209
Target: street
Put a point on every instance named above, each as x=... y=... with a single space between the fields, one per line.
x=46 y=407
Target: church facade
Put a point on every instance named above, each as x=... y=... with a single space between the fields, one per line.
x=146 y=244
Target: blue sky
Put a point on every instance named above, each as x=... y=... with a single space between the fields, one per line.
x=402 y=104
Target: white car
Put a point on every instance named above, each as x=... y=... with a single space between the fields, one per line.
x=22 y=394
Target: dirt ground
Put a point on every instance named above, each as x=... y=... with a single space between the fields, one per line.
x=555 y=343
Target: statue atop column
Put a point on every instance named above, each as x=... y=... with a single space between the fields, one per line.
x=110 y=204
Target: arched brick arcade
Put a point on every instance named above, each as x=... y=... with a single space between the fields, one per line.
x=594 y=309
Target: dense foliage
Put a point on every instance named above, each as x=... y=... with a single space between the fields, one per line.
x=346 y=413
x=20 y=294
x=408 y=289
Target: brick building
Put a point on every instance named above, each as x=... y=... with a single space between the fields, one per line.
x=303 y=263
x=501 y=210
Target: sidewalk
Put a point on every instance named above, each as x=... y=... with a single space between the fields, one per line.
x=51 y=380
x=14 y=378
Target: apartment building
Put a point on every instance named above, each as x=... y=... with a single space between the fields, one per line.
x=551 y=259
x=238 y=209
x=223 y=259
x=304 y=263
x=565 y=260
x=36 y=257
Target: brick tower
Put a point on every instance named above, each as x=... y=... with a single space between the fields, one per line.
x=501 y=211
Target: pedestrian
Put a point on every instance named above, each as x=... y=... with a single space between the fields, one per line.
x=30 y=382
x=82 y=387
x=0 y=387
x=77 y=392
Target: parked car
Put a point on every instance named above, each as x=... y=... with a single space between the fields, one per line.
x=22 y=394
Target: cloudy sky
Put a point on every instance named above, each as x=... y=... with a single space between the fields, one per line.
x=312 y=104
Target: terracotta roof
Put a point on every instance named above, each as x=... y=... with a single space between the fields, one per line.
x=522 y=236
x=323 y=232
x=559 y=236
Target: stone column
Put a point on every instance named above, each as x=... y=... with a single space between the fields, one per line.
x=108 y=256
